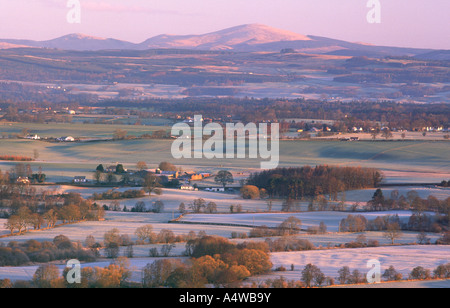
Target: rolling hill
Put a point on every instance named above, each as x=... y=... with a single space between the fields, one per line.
x=244 y=38
x=228 y=39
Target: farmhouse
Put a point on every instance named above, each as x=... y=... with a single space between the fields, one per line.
x=80 y=179
x=33 y=137
x=168 y=174
x=66 y=139
x=192 y=176
x=188 y=187
x=115 y=169
x=23 y=180
x=215 y=189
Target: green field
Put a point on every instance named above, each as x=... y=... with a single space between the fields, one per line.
x=403 y=160
x=81 y=130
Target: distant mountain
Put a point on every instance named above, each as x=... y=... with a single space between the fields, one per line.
x=227 y=39
x=244 y=38
x=435 y=55
x=77 y=41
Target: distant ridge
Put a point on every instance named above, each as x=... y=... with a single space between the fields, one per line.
x=227 y=39
x=244 y=38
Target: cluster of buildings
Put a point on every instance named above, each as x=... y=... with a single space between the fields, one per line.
x=60 y=139
x=137 y=178
x=185 y=177
x=436 y=129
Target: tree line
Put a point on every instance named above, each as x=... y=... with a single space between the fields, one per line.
x=27 y=209
x=298 y=183
x=346 y=115
x=214 y=261
x=178 y=274
x=60 y=248
x=421 y=220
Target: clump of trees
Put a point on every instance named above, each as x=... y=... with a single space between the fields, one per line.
x=290 y=226
x=214 y=261
x=146 y=235
x=61 y=248
x=115 y=275
x=222 y=262
x=215 y=270
x=15 y=158
x=312 y=276
x=71 y=208
x=420 y=219
x=250 y=192
x=114 y=195
x=298 y=183
x=200 y=205
x=166 y=166
x=8 y=180
x=358 y=223
x=224 y=178
x=445 y=183
x=289 y=244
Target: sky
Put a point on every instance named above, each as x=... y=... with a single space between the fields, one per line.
x=403 y=23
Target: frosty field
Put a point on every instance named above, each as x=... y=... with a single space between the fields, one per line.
x=426 y=284
x=126 y=223
x=403 y=258
x=26 y=272
x=309 y=219
x=403 y=161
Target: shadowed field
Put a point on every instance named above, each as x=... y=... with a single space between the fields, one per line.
x=403 y=161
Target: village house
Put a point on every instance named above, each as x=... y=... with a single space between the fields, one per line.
x=188 y=187
x=23 y=180
x=66 y=139
x=215 y=189
x=80 y=179
x=33 y=137
x=169 y=174
x=113 y=169
x=191 y=176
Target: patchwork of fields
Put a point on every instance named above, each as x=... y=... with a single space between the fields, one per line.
x=403 y=258
x=309 y=219
x=402 y=161
x=412 y=162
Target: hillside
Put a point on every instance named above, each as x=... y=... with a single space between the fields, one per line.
x=243 y=38
x=227 y=39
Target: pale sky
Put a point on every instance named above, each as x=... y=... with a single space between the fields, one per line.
x=404 y=23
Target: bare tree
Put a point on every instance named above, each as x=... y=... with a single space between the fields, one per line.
x=145 y=233
x=387 y=134
x=312 y=273
x=197 y=205
x=141 y=165
x=211 y=207
x=393 y=232
x=224 y=177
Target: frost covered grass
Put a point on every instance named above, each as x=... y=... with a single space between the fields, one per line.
x=26 y=272
x=308 y=219
x=126 y=223
x=403 y=258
